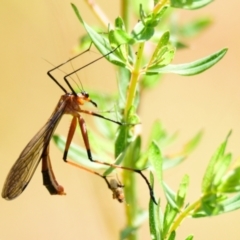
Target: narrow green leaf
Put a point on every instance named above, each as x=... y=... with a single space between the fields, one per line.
x=142 y=33
x=172 y=236
x=163 y=53
x=210 y=171
x=126 y=232
x=118 y=161
x=154 y=216
x=169 y=216
x=101 y=42
x=192 y=144
x=192 y=68
x=190 y=4
x=231 y=204
x=181 y=194
x=150 y=81
x=171 y=196
x=230 y=183
x=118 y=37
x=195 y=27
x=119 y=23
x=155 y=157
x=121 y=141
x=158 y=133
x=190 y=237
x=172 y=162
x=123 y=79
x=221 y=168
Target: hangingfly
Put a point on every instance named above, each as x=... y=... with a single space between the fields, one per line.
x=38 y=148
x=117 y=189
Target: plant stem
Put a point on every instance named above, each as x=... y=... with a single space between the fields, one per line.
x=183 y=215
x=126 y=12
x=134 y=80
x=129 y=179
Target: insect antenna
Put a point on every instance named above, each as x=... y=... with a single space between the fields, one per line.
x=55 y=80
x=86 y=65
x=77 y=78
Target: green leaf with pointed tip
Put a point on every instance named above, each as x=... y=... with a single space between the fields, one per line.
x=150 y=81
x=119 y=23
x=230 y=183
x=118 y=161
x=216 y=205
x=154 y=218
x=190 y=237
x=153 y=19
x=231 y=204
x=141 y=33
x=190 y=4
x=155 y=157
x=163 y=53
x=101 y=42
x=172 y=162
x=158 y=133
x=194 y=27
x=169 y=216
x=192 y=144
x=211 y=169
x=188 y=69
x=171 y=196
x=126 y=232
x=181 y=194
x=221 y=168
x=123 y=79
x=121 y=141
x=118 y=37
x=172 y=236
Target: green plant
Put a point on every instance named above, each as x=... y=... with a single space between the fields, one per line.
x=137 y=72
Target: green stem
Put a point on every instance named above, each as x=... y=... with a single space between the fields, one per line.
x=134 y=80
x=129 y=178
x=183 y=215
x=126 y=12
x=131 y=207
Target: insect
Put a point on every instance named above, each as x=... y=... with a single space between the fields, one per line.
x=117 y=189
x=38 y=148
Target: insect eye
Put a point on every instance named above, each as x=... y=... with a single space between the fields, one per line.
x=85 y=94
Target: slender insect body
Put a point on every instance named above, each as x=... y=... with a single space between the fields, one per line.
x=38 y=148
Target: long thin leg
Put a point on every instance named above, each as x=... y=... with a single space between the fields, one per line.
x=69 y=137
x=101 y=116
x=50 y=182
x=113 y=185
x=83 y=128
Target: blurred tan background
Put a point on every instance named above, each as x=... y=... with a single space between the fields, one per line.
x=32 y=31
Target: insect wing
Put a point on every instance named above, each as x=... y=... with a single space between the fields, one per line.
x=25 y=166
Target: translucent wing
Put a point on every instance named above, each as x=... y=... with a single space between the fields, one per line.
x=25 y=166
